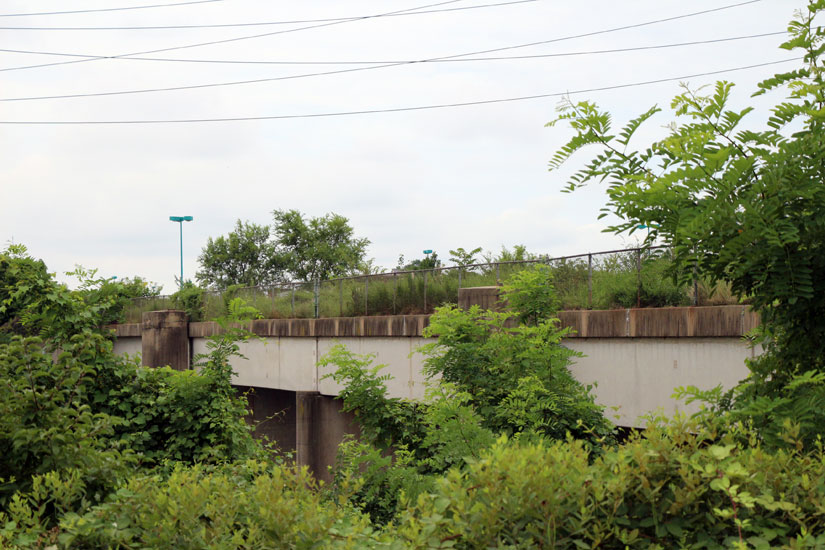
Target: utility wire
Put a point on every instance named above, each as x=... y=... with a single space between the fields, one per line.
x=259 y=24
x=384 y=61
x=239 y=38
x=571 y=37
x=357 y=69
x=394 y=109
x=109 y=9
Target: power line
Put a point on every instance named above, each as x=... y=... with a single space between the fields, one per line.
x=237 y=38
x=258 y=24
x=369 y=68
x=394 y=109
x=109 y=9
x=384 y=61
x=249 y=37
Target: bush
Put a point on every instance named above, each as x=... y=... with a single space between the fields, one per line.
x=486 y=378
x=618 y=284
x=249 y=505
x=75 y=419
x=48 y=432
x=190 y=298
x=678 y=486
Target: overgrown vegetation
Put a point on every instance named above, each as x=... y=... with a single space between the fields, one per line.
x=744 y=206
x=76 y=420
x=615 y=284
x=487 y=378
x=507 y=450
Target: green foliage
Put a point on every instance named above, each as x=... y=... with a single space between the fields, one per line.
x=681 y=485
x=486 y=377
x=46 y=423
x=652 y=286
x=245 y=257
x=519 y=253
x=384 y=421
x=740 y=206
x=34 y=304
x=461 y=257
x=249 y=505
x=518 y=377
x=75 y=419
x=190 y=298
x=117 y=295
x=430 y=261
x=256 y=255
x=317 y=248
x=374 y=481
x=188 y=416
x=743 y=206
x=20 y=277
x=793 y=415
x=531 y=293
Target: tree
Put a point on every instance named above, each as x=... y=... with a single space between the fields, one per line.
x=430 y=261
x=518 y=254
x=319 y=248
x=246 y=257
x=746 y=206
x=461 y=257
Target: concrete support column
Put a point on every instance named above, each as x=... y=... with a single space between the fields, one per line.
x=320 y=425
x=165 y=339
x=305 y=429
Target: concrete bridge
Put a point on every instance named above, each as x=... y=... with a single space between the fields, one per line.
x=635 y=356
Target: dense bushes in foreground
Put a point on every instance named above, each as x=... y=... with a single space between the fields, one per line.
x=676 y=486
x=679 y=485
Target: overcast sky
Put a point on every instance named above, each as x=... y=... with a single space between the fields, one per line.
x=101 y=195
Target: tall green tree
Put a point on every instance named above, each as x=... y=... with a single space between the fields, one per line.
x=320 y=248
x=739 y=204
x=246 y=256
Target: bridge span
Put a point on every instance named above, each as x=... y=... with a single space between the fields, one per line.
x=634 y=356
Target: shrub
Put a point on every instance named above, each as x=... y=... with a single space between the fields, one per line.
x=190 y=298
x=48 y=429
x=679 y=486
x=248 y=505
x=486 y=378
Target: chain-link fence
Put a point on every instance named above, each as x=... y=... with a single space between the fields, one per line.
x=635 y=277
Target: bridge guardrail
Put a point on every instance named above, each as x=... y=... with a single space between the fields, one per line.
x=632 y=277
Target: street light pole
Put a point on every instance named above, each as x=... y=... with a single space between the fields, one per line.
x=180 y=220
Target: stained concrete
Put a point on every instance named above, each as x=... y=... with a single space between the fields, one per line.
x=321 y=425
x=635 y=356
x=165 y=339
x=272 y=414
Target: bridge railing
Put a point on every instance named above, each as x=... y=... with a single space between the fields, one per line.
x=633 y=277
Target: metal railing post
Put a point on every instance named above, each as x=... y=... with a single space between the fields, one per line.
x=394 y=291
x=638 y=277
x=340 y=297
x=498 y=272
x=317 y=295
x=589 y=281
x=425 y=292
x=293 y=299
x=366 y=295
